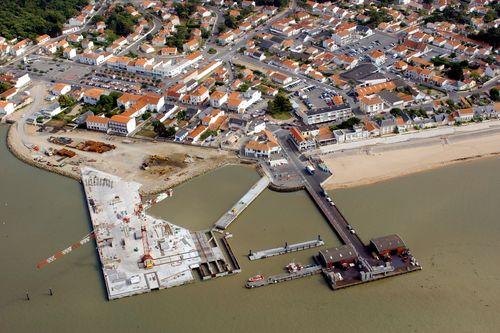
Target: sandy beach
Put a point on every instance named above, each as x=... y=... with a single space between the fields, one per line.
x=374 y=164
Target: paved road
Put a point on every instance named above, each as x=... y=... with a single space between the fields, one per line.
x=38 y=92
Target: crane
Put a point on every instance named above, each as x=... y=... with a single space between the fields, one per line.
x=67 y=250
x=147 y=259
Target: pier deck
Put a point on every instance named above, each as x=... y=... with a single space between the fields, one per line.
x=285 y=249
x=242 y=204
x=273 y=279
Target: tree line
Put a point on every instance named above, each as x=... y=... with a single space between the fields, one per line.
x=31 y=18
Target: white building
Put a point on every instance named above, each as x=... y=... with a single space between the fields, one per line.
x=94 y=59
x=121 y=125
x=347 y=135
x=334 y=113
x=371 y=105
x=97 y=123
x=199 y=95
x=6 y=107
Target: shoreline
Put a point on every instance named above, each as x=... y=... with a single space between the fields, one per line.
x=352 y=164
x=22 y=153
x=377 y=164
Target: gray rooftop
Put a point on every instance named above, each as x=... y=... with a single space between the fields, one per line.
x=390 y=242
x=359 y=72
x=339 y=253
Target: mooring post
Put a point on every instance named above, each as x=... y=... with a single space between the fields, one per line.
x=250 y=252
x=286 y=245
x=50 y=292
x=319 y=238
x=27 y=296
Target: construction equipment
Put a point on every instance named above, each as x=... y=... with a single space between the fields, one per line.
x=66 y=251
x=147 y=259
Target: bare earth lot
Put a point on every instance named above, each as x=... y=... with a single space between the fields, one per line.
x=182 y=162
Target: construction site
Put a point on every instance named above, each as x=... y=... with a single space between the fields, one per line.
x=139 y=252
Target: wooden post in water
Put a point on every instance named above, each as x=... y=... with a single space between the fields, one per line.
x=50 y=292
x=27 y=296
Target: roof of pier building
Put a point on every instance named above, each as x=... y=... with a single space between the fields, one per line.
x=337 y=254
x=388 y=243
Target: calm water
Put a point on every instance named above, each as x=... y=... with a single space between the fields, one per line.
x=449 y=218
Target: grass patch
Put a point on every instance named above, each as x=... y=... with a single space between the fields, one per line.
x=146 y=132
x=281 y=116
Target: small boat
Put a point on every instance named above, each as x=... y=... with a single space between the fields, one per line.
x=256 y=278
x=293 y=267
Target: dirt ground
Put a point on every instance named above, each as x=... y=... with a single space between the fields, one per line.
x=181 y=162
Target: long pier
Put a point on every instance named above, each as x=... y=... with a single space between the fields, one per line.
x=273 y=279
x=355 y=262
x=336 y=220
x=285 y=249
x=231 y=215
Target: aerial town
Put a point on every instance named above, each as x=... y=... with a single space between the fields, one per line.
x=133 y=98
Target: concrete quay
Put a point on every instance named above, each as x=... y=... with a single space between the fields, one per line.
x=273 y=279
x=285 y=249
x=231 y=215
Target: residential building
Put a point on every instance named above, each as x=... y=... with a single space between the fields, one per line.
x=323 y=115
x=121 y=125
x=6 y=107
x=371 y=104
x=300 y=141
x=262 y=145
x=97 y=123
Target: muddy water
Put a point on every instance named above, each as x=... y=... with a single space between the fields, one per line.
x=449 y=217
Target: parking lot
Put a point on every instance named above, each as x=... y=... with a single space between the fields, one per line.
x=121 y=81
x=313 y=97
x=57 y=70
x=377 y=41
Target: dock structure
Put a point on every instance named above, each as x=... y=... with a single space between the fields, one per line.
x=138 y=252
x=273 y=279
x=354 y=262
x=242 y=204
x=285 y=249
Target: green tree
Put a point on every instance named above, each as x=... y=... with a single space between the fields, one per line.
x=396 y=112
x=494 y=94
x=4 y=86
x=181 y=115
x=280 y=104
x=120 y=21
x=455 y=73
x=490 y=36
x=349 y=123
x=28 y=19
x=66 y=101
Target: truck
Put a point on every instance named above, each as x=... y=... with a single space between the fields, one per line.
x=310 y=169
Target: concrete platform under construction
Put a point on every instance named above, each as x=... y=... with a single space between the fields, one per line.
x=139 y=252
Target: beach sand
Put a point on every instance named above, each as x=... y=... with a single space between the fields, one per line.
x=378 y=163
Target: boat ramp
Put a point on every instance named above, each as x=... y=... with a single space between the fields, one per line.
x=242 y=204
